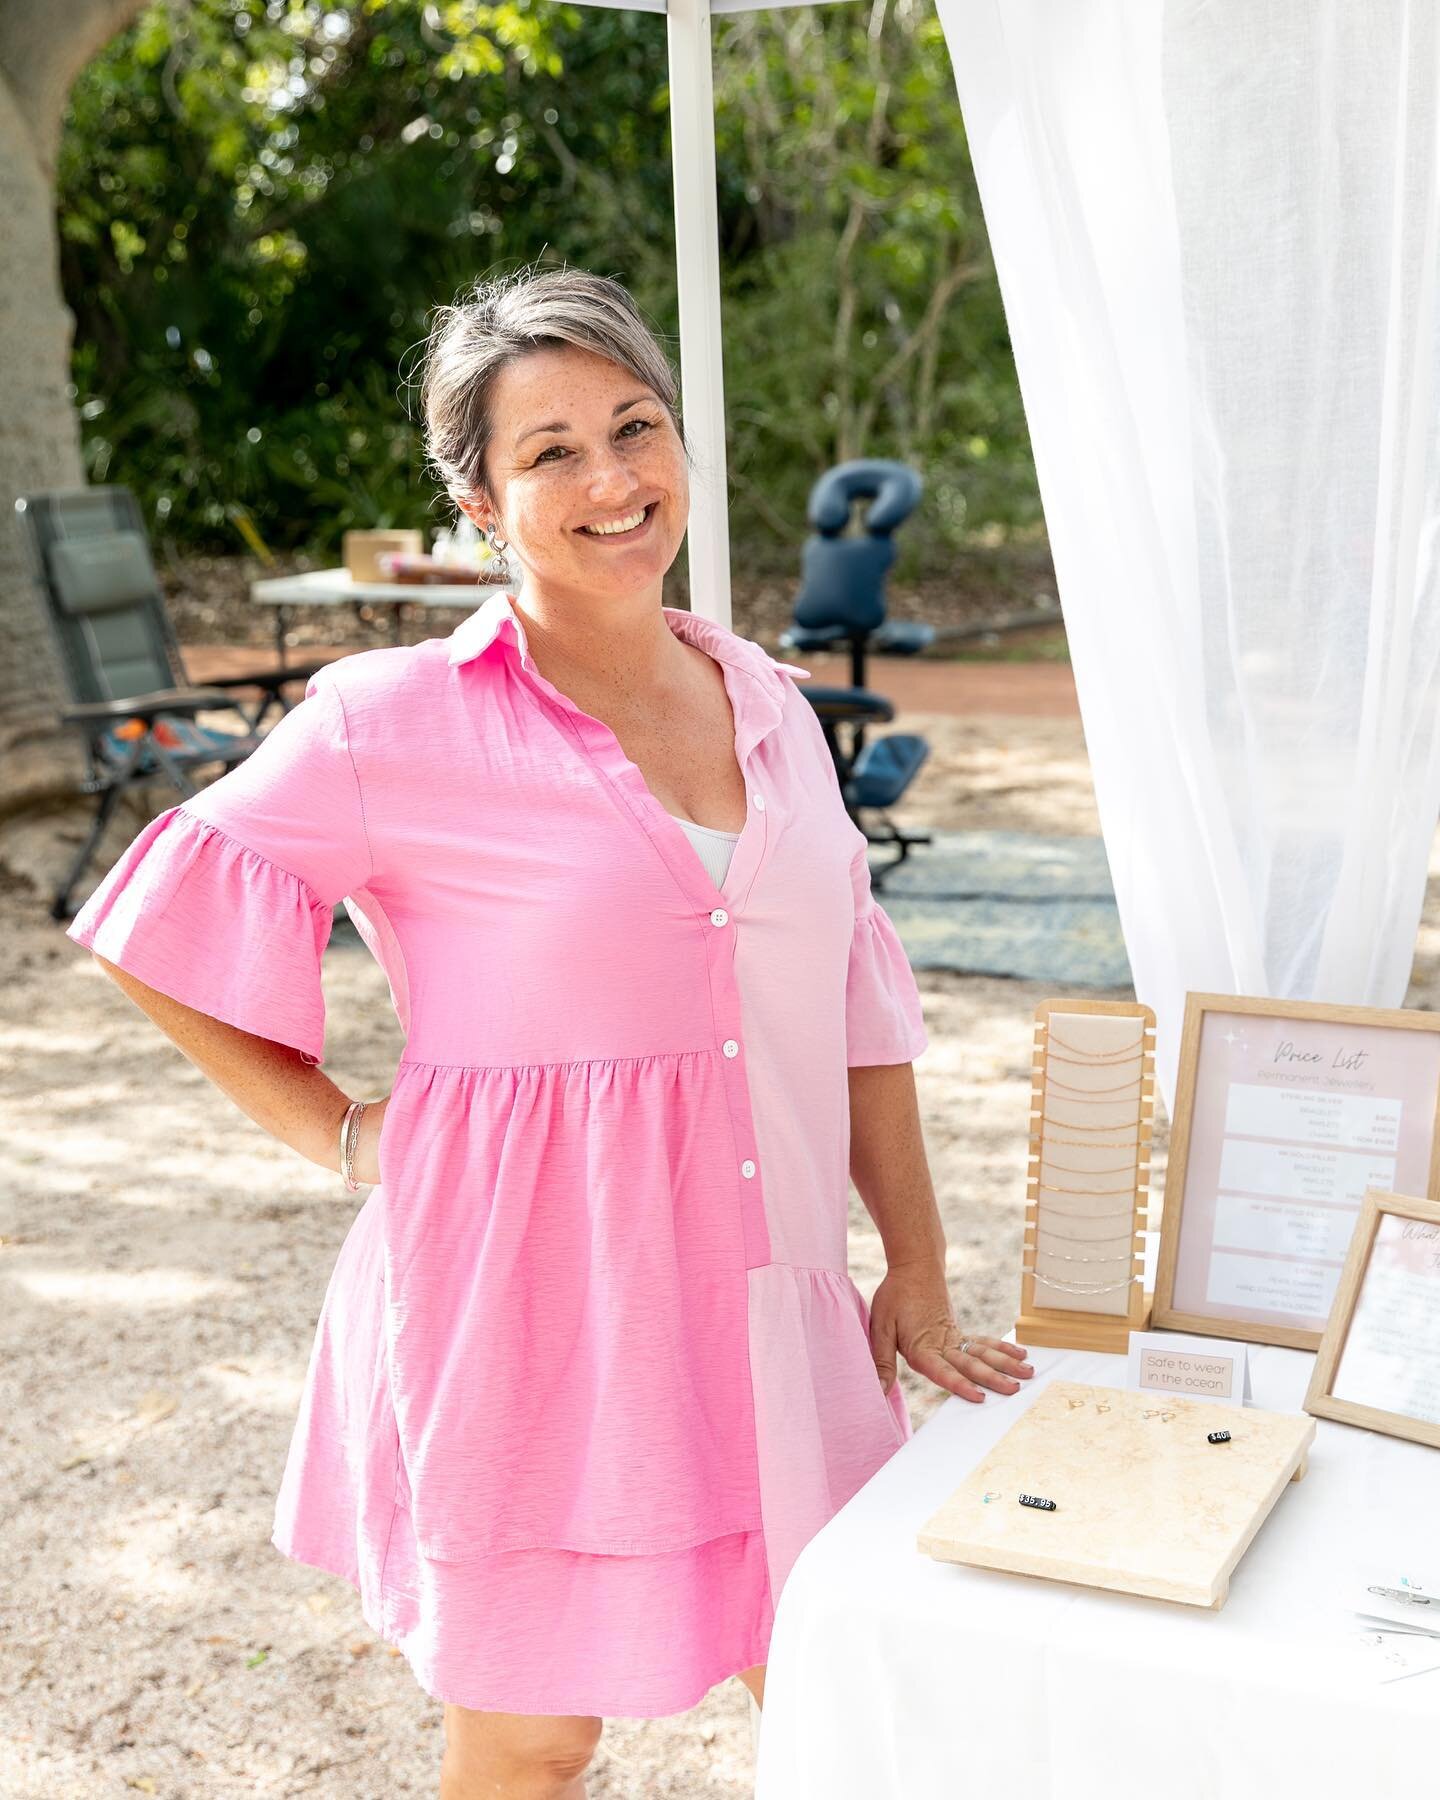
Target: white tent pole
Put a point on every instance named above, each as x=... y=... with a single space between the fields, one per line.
x=697 y=257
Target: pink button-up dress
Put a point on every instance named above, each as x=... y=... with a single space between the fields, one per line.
x=590 y=1369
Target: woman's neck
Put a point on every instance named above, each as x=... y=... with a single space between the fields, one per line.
x=618 y=646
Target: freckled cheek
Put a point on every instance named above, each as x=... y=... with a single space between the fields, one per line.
x=668 y=473
x=542 y=522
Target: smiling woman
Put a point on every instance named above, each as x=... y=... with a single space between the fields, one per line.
x=591 y=1369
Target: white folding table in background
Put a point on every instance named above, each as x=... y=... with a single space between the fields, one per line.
x=335 y=587
x=893 y=1676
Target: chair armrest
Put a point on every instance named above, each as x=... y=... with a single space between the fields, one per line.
x=271 y=680
x=145 y=706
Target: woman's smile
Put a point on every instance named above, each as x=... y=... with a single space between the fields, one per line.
x=610 y=535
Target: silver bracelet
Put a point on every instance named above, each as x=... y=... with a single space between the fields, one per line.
x=349 y=1141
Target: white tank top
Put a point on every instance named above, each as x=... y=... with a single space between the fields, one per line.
x=715 y=848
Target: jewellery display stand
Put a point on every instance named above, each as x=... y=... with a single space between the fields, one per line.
x=1123 y=1470
x=1091 y=1111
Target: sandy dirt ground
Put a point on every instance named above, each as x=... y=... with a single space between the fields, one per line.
x=162 y=1266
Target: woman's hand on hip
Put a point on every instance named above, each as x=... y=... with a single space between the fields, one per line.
x=911 y=1314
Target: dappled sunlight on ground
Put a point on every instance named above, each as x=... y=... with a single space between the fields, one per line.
x=266 y=1388
x=144 y=1289
x=139 y=1560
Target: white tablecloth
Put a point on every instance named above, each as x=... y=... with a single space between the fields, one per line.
x=896 y=1677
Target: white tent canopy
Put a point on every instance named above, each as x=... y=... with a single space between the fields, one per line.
x=1216 y=230
x=697 y=258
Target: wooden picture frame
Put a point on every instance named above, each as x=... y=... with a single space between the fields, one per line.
x=1273 y=1146
x=1367 y=1325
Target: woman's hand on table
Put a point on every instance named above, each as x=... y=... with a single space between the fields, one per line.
x=911 y=1314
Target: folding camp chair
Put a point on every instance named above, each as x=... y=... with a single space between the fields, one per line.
x=130 y=698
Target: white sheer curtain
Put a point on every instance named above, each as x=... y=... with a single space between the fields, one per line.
x=1215 y=227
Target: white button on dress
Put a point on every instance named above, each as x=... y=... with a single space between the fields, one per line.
x=730 y=1047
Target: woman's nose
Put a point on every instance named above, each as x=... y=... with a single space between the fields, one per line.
x=610 y=475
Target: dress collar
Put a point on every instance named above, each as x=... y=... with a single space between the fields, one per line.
x=474 y=635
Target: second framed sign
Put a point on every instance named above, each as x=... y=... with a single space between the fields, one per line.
x=1379 y=1361
x=1286 y=1112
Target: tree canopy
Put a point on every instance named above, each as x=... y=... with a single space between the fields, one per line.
x=259 y=204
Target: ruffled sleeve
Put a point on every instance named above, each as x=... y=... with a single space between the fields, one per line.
x=884 y=1020
x=225 y=902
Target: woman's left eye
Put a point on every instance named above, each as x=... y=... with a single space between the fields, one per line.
x=644 y=424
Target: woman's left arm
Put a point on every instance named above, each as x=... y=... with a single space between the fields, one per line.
x=911 y=1311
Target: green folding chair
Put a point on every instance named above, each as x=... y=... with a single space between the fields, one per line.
x=130 y=698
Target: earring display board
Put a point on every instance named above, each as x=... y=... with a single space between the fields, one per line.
x=1286 y=1112
x=1379 y=1360
x=1092 y=1101
x=1144 y=1502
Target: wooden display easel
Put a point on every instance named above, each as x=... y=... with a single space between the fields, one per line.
x=1067 y=1327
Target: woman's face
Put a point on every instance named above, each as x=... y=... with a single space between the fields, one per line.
x=578 y=442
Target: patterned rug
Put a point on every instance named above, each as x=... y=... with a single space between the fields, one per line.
x=1006 y=903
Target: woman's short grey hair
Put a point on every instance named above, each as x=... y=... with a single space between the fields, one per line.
x=506 y=317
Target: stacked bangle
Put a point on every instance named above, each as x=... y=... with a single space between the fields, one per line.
x=349 y=1139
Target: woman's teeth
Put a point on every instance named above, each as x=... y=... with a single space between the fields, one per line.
x=614 y=526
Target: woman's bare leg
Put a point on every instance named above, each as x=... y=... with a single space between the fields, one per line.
x=516 y=1756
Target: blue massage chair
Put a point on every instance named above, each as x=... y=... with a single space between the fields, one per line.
x=842 y=602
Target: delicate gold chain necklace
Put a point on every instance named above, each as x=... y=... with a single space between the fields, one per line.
x=1124 y=1256
x=1085 y=1144
x=1099 y=1193
x=1083 y=1062
x=1079 y=1212
x=1069 y=1087
x=1076 y=1125
x=1082 y=1287
x=1065 y=1169
x=1066 y=1237
x=1089 y=1055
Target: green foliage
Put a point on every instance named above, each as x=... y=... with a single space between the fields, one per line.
x=261 y=202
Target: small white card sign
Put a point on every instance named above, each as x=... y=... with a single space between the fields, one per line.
x=1200 y=1368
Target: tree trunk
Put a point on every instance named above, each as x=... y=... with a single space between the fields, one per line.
x=41 y=52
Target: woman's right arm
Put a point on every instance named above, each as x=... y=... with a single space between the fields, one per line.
x=215 y=918
x=293 y=1100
